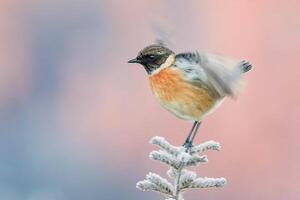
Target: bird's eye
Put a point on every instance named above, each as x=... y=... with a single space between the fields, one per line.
x=151 y=57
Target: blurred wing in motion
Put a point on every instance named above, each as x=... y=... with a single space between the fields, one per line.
x=163 y=26
x=162 y=34
x=223 y=74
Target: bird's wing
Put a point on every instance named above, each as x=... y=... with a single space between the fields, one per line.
x=216 y=72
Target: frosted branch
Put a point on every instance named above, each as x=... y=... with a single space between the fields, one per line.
x=208 y=182
x=209 y=145
x=196 y=160
x=165 y=158
x=172 y=173
x=186 y=179
x=163 y=185
x=163 y=144
x=146 y=185
x=178 y=158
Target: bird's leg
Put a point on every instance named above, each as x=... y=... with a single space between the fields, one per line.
x=195 y=133
x=187 y=140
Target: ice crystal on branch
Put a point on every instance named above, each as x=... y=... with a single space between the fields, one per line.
x=178 y=158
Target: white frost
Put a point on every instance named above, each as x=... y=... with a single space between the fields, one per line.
x=178 y=158
x=209 y=145
x=208 y=182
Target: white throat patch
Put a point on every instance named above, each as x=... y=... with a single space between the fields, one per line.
x=170 y=60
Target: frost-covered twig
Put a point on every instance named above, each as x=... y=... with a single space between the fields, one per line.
x=178 y=159
x=209 y=145
x=156 y=183
x=165 y=145
x=207 y=182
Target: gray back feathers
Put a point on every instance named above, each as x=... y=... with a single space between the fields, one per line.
x=220 y=74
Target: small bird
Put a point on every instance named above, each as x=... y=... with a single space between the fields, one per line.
x=190 y=85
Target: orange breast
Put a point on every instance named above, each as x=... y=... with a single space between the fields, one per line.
x=178 y=96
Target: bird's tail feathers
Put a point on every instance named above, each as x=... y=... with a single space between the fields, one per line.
x=238 y=81
x=245 y=66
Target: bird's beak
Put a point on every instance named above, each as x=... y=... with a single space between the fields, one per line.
x=134 y=61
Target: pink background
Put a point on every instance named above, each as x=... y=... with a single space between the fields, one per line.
x=75 y=118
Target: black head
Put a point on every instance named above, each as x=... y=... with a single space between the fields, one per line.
x=152 y=57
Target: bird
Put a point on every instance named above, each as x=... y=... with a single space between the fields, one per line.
x=191 y=85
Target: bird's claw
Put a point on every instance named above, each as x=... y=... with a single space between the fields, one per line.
x=188 y=145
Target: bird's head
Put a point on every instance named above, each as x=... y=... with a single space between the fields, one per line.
x=154 y=58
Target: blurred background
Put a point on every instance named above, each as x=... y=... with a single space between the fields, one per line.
x=76 y=118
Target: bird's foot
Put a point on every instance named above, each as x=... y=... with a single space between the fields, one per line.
x=188 y=145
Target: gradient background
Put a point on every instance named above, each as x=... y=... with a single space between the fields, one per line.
x=75 y=118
